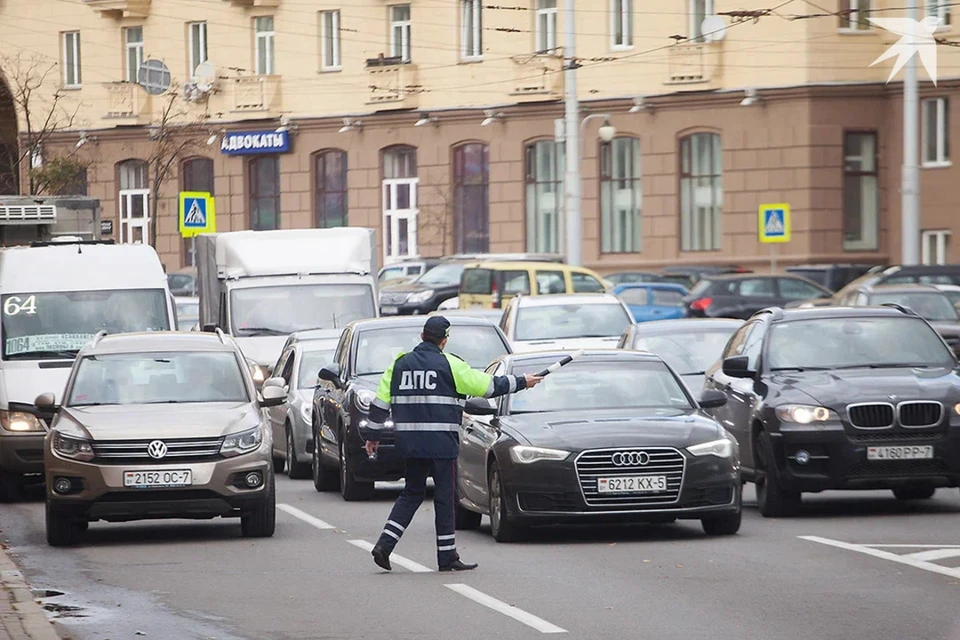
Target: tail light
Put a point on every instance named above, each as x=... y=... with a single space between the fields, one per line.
x=701 y=304
x=495 y=296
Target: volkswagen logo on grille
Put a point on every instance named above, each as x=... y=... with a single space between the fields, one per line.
x=630 y=458
x=157 y=449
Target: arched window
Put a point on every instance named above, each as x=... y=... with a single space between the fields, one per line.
x=701 y=192
x=399 y=202
x=264 y=180
x=620 y=195
x=134 y=201
x=196 y=175
x=544 y=186
x=471 y=184
x=330 y=188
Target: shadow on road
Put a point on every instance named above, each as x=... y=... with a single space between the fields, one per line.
x=836 y=506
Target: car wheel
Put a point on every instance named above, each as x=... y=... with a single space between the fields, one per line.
x=772 y=499
x=11 y=487
x=921 y=492
x=466 y=520
x=501 y=526
x=350 y=489
x=296 y=470
x=278 y=464
x=262 y=521
x=62 y=530
x=324 y=478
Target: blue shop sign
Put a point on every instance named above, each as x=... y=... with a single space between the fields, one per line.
x=236 y=143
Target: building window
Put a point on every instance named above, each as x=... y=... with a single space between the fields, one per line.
x=701 y=192
x=330 y=40
x=265 y=37
x=399 y=203
x=330 y=188
x=854 y=14
x=264 y=193
x=196 y=175
x=546 y=26
x=71 y=59
x=934 y=247
x=860 y=191
x=622 y=27
x=133 y=41
x=544 y=196
x=400 y=32
x=700 y=10
x=936 y=132
x=471 y=29
x=198 y=45
x=620 y=196
x=134 y=196
x=471 y=183
x=939 y=9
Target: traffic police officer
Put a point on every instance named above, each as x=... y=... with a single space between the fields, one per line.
x=425 y=389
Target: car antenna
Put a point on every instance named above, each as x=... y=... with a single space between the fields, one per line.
x=334 y=316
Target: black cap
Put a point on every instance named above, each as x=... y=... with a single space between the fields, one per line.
x=436 y=327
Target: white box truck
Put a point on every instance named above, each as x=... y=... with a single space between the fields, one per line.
x=54 y=298
x=261 y=286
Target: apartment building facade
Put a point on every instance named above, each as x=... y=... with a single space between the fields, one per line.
x=434 y=121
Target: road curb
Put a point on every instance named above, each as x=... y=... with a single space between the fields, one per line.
x=32 y=616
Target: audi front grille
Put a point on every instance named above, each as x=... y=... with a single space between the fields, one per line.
x=871 y=415
x=599 y=463
x=179 y=450
x=919 y=414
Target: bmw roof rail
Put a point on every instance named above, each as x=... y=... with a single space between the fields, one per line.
x=222 y=336
x=900 y=308
x=96 y=339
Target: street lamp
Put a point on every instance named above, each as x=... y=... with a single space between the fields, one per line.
x=574 y=217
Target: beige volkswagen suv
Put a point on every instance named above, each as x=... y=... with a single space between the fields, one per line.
x=159 y=425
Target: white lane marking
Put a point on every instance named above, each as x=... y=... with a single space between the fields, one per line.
x=886 y=555
x=912 y=546
x=508 y=610
x=306 y=517
x=934 y=554
x=406 y=563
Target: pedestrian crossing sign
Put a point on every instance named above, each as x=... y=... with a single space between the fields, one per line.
x=198 y=213
x=774 y=221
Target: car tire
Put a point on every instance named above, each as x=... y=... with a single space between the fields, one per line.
x=296 y=470
x=772 y=499
x=279 y=464
x=11 y=487
x=723 y=525
x=917 y=492
x=262 y=521
x=324 y=478
x=350 y=489
x=503 y=528
x=62 y=530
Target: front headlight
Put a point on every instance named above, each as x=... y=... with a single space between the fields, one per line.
x=722 y=448
x=237 y=444
x=805 y=414
x=20 y=421
x=528 y=455
x=364 y=398
x=73 y=448
x=422 y=296
x=306 y=412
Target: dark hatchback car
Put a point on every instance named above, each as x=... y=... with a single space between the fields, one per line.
x=611 y=437
x=425 y=293
x=831 y=276
x=341 y=400
x=840 y=398
x=740 y=296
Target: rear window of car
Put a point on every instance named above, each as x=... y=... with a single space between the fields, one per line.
x=476 y=281
x=634 y=295
x=667 y=298
x=515 y=282
x=701 y=287
x=478 y=345
x=584 y=283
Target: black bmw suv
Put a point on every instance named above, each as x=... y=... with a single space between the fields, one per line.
x=840 y=398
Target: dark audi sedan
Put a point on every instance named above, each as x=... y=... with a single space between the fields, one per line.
x=612 y=437
x=840 y=398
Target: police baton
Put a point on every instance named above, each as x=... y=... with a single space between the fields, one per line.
x=562 y=363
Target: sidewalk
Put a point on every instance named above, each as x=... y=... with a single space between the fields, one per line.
x=21 y=618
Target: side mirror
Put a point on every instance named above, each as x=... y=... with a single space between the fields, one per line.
x=274 y=382
x=331 y=373
x=480 y=407
x=273 y=396
x=737 y=367
x=46 y=401
x=711 y=399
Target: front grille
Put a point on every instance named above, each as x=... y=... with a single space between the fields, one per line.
x=897 y=437
x=920 y=414
x=179 y=450
x=871 y=416
x=899 y=469
x=664 y=461
x=393 y=298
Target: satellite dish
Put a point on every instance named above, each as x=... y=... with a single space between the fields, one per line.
x=713 y=28
x=204 y=76
x=154 y=77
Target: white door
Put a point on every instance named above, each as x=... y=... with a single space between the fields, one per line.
x=399 y=219
x=135 y=216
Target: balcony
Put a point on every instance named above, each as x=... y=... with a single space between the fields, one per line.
x=118 y=9
x=254 y=3
x=393 y=83
x=693 y=62
x=256 y=93
x=127 y=101
x=537 y=78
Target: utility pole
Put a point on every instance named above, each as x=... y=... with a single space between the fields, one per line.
x=910 y=177
x=571 y=182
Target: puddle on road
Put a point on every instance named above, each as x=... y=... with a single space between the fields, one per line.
x=57 y=609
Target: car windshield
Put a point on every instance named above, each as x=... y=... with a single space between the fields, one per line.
x=442 y=275
x=157 y=378
x=477 y=345
x=392 y=272
x=601 y=385
x=281 y=310
x=832 y=343
x=310 y=364
x=556 y=322
x=690 y=352
x=952 y=296
x=932 y=306
x=58 y=324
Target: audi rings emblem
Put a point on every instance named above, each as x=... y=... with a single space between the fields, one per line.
x=630 y=458
x=157 y=449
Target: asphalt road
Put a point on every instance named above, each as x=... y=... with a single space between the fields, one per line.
x=812 y=577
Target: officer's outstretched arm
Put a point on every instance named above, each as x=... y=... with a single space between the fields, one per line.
x=380 y=407
x=471 y=382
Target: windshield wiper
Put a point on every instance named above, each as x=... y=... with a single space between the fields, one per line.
x=94 y=404
x=800 y=369
x=28 y=355
x=892 y=365
x=262 y=331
